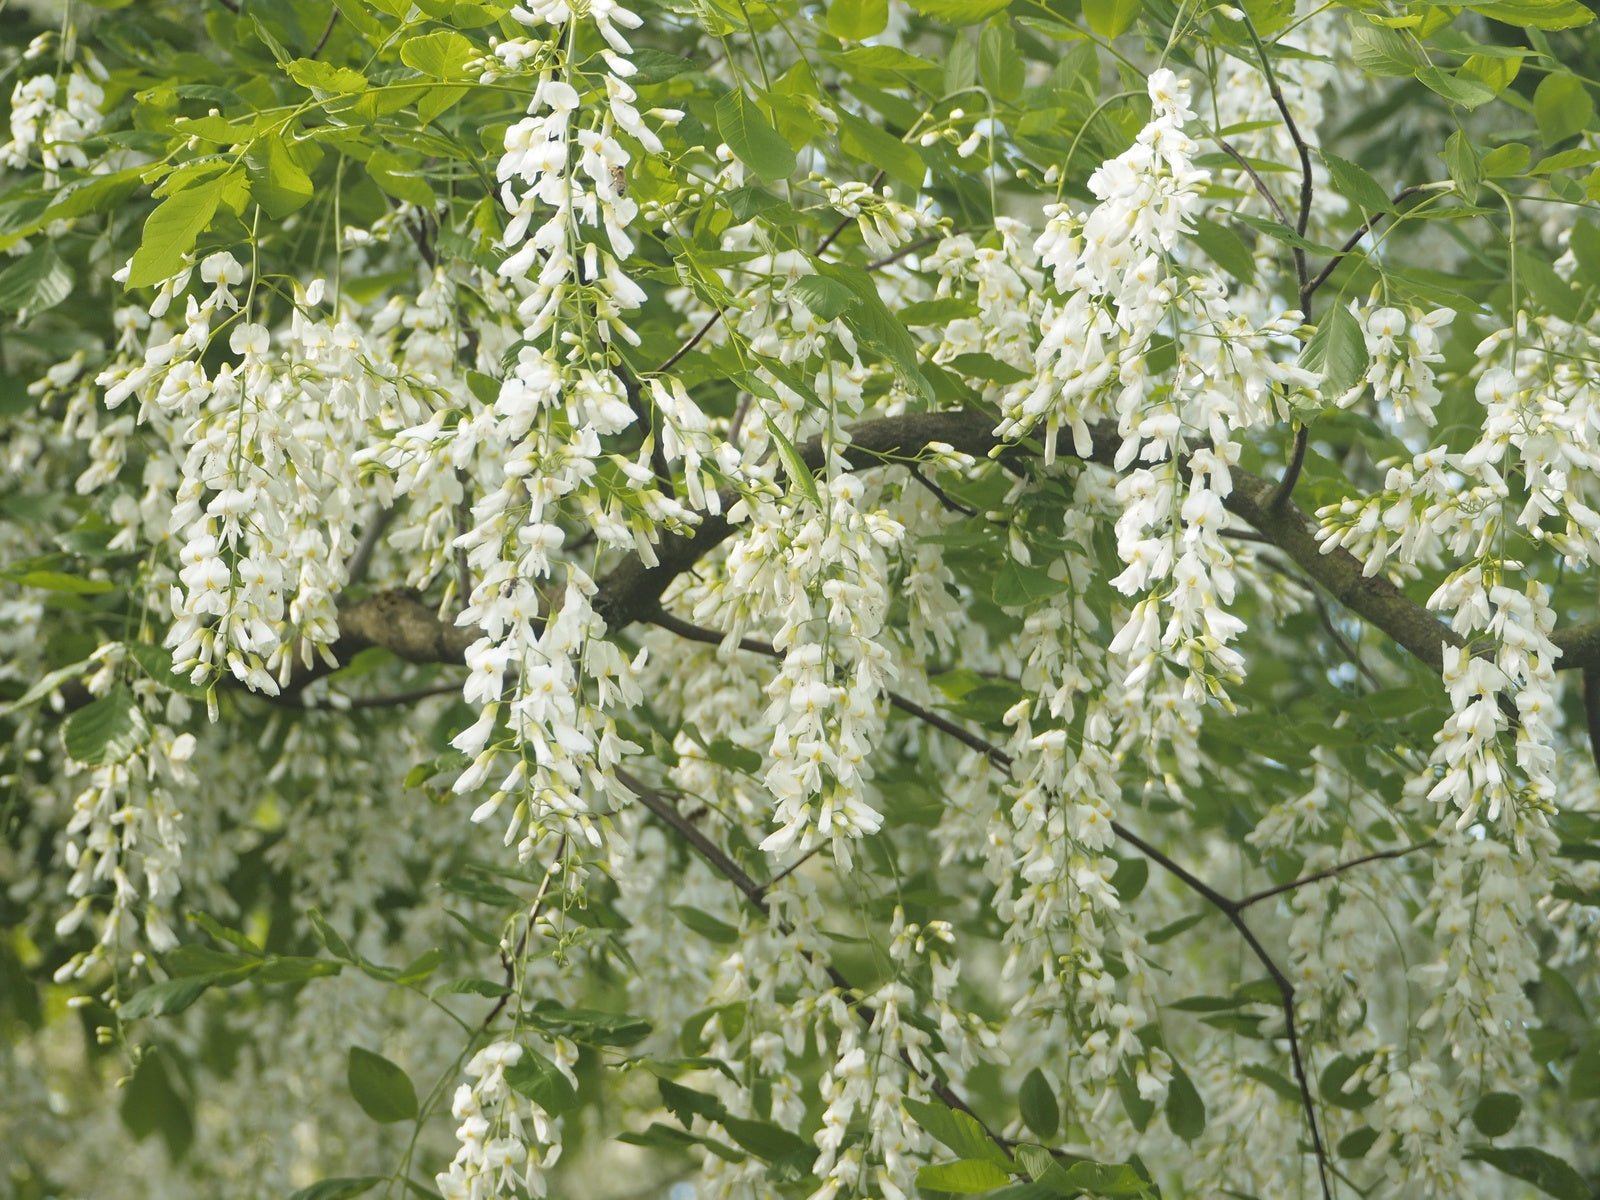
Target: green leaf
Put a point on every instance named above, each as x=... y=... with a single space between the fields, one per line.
x=957 y=1130
x=959 y=12
x=1562 y=107
x=1379 y=51
x=173 y=228
x=1109 y=18
x=1108 y=1179
x=1356 y=184
x=965 y=1177
x=1538 y=279
x=735 y=758
x=1225 y=248
x=1494 y=71
x=106 y=731
x=1131 y=875
x=1275 y=1080
x=399 y=178
x=1496 y=1113
x=588 y=1026
x=937 y=312
x=1356 y=1145
x=1278 y=231
x=1337 y=351
x=877 y=327
x=60 y=581
x=1462 y=160
x=854 y=20
x=339 y=1189
x=764 y=1139
x=1506 y=161
x=541 y=1081
x=151 y=1104
x=1023 y=587
x=1001 y=68
x=165 y=998
x=794 y=466
x=380 y=1087
x=960 y=65
x=36 y=282
x=1037 y=1100
x=295 y=969
x=706 y=925
x=157 y=664
x=1536 y=14
x=444 y=55
x=472 y=987
x=1468 y=93
x=826 y=298
x=986 y=366
x=1584 y=1081
x=321 y=77
x=1543 y=1170
x=1331 y=1086
x=1186 y=1111
x=874 y=146
x=278 y=183
x=752 y=138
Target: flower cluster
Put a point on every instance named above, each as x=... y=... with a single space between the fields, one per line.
x=1403 y=348
x=51 y=120
x=126 y=835
x=506 y=1141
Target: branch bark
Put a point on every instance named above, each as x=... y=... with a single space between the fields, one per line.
x=632 y=592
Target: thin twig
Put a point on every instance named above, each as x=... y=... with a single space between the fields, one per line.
x=710 y=322
x=939 y=493
x=1245 y=902
x=1366 y=227
x=1248 y=535
x=1591 y=710
x=522 y=940
x=844 y=222
x=463 y=528
x=905 y=251
x=1303 y=217
x=378 y=519
x=1255 y=177
x=1291 y=473
x=1342 y=642
x=327 y=32
x=392 y=700
x=905 y=704
x=695 y=339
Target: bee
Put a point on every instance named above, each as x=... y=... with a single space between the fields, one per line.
x=619 y=182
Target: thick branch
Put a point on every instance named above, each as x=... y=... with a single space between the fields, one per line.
x=633 y=591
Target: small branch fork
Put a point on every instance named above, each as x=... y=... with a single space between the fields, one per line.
x=510 y=960
x=665 y=811
x=1230 y=908
x=1308 y=289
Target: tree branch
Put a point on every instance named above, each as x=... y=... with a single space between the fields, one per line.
x=1255 y=177
x=1362 y=230
x=719 y=861
x=1245 y=902
x=633 y=591
x=1231 y=909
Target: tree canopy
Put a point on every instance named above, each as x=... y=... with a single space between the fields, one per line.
x=758 y=598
